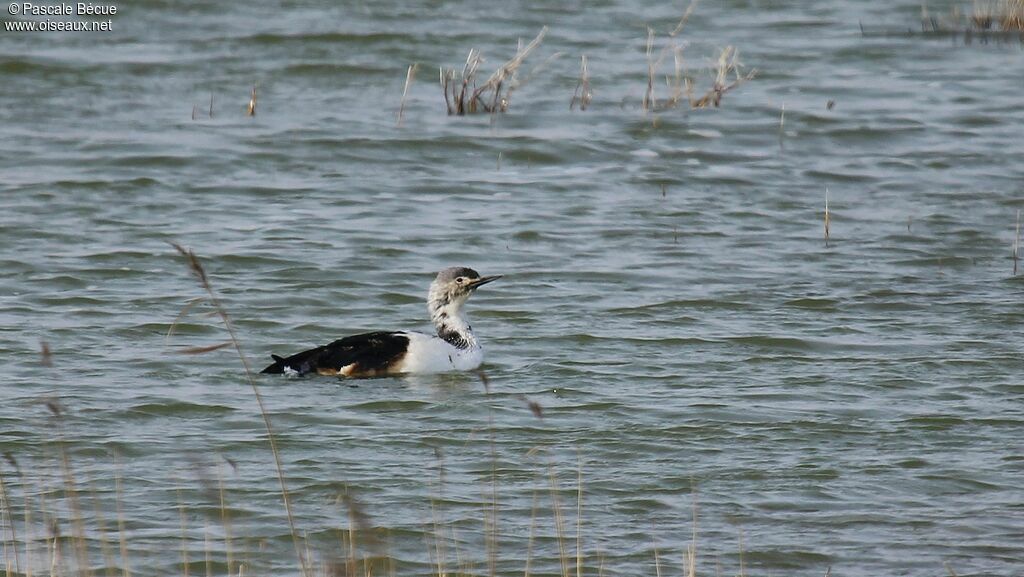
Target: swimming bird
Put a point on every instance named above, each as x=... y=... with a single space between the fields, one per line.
x=453 y=348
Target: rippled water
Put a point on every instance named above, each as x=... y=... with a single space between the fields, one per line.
x=669 y=303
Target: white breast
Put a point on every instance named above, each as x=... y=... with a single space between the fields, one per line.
x=432 y=354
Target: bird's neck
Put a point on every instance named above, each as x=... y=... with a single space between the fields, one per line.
x=452 y=325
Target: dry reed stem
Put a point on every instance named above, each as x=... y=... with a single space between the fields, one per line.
x=647 y=103
x=534 y=71
x=29 y=534
x=579 y=516
x=184 y=534
x=691 y=549
x=727 y=74
x=491 y=97
x=351 y=566
x=359 y=523
x=437 y=515
x=439 y=536
x=200 y=273
x=1016 y=245
x=559 y=522
x=676 y=83
x=491 y=520
x=410 y=74
x=828 y=217
x=225 y=519
x=71 y=491
x=251 y=109
x=207 y=551
x=743 y=567
x=989 y=16
x=121 y=537
x=108 y=556
x=728 y=62
x=582 y=95
x=657 y=558
x=181 y=315
x=5 y=511
x=533 y=530
x=506 y=73
x=1012 y=15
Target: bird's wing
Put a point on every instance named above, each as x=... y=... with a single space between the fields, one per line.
x=368 y=354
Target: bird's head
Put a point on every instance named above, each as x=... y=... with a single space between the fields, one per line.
x=453 y=286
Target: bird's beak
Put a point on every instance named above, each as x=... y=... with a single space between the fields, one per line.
x=483 y=280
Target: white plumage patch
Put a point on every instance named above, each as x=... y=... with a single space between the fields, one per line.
x=432 y=354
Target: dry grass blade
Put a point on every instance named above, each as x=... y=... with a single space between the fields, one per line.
x=54 y=407
x=505 y=75
x=45 y=356
x=200 y=273
x=686 y=17
x=485 y=380
x=193 y=264
x=410 y=74
x=535 y=408
x=206 y=349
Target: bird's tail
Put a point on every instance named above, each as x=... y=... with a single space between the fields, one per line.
x=277 y=368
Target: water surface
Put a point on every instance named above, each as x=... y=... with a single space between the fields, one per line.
x=669 y=302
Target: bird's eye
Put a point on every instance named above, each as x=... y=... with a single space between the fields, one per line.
x=460 y=279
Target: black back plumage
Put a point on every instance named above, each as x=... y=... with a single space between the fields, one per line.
x=370 y=353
